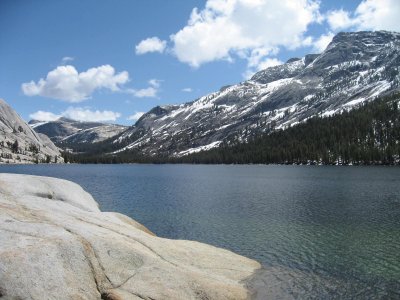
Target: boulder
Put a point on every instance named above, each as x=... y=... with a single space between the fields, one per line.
x=55 y=243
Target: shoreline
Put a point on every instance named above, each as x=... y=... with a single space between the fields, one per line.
x=61 y=244
x=204 y=164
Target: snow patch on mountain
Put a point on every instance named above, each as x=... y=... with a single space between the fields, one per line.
x=67 y=131
x=198 y=149
x=355 y=67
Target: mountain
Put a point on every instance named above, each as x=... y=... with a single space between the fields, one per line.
x=69 y=132
x=20 y=144
x=366 y=135
x=355 y=68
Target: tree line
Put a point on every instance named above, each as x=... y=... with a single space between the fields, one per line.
x=367 y=135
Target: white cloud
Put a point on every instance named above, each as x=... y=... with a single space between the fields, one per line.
x=187 y=90
x=255 y=57
x=378 y=15
x=84 y=114
x=78 y=114
x=65 y=83
x=149 y=92
x=369 y=15
x=256 y=64
x=269 y=62
x=153 y=44
x=155 y=83
x=67 y=59
x=239 y=27
x=44 y=116
x=322 y=42
x=339 y=19
x=136 y=116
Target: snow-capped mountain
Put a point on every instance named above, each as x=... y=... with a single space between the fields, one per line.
x=355 y=67
x=20 y=144
x=69 y=131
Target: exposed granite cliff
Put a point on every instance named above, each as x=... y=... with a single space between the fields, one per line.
x=20 y=144
x=67 y=131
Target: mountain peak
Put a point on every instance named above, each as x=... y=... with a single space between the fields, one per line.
x=355 y=67
x=67 y=131
x=287 y=70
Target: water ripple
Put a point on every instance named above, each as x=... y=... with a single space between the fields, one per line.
x=320 y=232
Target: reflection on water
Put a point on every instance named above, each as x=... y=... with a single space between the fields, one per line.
x=320 y=232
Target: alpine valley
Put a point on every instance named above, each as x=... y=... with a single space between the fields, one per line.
x=356 y=68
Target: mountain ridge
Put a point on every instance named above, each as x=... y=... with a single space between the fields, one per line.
x=367 y=135
x=355 y=67
x=67 y=132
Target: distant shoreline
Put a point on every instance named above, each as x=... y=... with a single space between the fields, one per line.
x=208 y=164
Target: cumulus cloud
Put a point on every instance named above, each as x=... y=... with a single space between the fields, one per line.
x=239 y=27
x=153 y=44
x=149 y=92
x=369 y=15
x=187 y=90
x=322 y=42
x=44 y=116
x=269 y=62
x=256 y=30
x=378 y=15
x=78 y=114
x=260 y=63
x=67 y=84
x=339 y=19
x=84 y=114
x=136 y=116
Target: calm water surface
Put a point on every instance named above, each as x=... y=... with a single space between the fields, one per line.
x=320 y=232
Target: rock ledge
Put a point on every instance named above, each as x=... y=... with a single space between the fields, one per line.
x=55 y=243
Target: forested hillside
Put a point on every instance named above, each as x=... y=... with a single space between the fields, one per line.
x=367 y=135
x=356 y=67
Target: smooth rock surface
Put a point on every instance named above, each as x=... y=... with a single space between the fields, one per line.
x=20 y=144
x=68 y=132
x=55 y=243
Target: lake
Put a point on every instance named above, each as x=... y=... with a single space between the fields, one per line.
x=321 y=232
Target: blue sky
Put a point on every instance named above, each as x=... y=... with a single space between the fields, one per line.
x=113 y=60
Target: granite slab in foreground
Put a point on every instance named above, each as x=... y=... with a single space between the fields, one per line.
x=55 y=243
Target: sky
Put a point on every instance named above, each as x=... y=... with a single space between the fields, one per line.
x=111 y=61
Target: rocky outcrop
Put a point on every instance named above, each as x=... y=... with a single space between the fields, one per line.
x=55 y=243
x=20 y=144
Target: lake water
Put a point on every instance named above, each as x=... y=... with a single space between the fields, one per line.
x=320 y=232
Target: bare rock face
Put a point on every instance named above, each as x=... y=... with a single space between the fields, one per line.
x=55 y=243
x=66 y=131
x=20 y=144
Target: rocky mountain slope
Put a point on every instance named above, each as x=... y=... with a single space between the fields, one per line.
x=355 y=67
x=367 y=135
x=67 y=131
x=20 y=144
x=57 y=244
